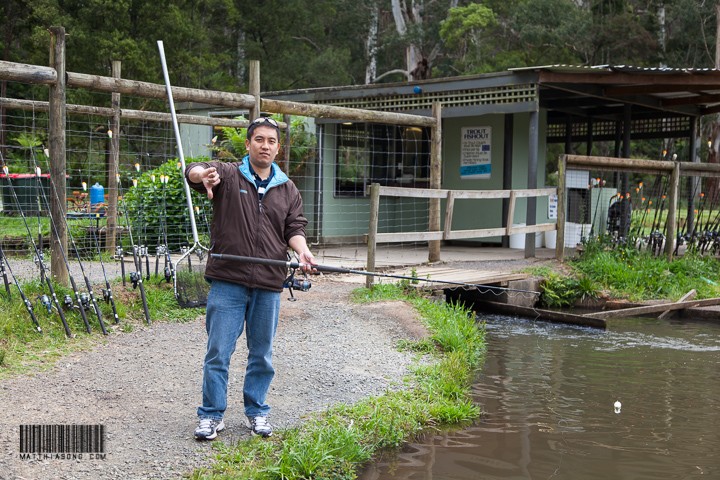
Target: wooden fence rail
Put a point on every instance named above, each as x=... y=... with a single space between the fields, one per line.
x=376 y=191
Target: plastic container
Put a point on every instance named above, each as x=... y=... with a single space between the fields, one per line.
x=517 y=240
x=551 y=239
x=97 y=194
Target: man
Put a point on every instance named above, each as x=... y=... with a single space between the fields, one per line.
x=257 y=212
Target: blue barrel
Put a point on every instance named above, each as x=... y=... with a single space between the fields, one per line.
x=97 y=194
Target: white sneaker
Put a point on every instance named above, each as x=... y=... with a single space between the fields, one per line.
x=208 y=428
x=259 y=426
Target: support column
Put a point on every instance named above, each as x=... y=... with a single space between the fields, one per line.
x=113 y=165
x=507 y=173
x=693 y=183
x=625 y=177
x=435 y=182
x=56 y=147
x=533 y=147
x=254 y=87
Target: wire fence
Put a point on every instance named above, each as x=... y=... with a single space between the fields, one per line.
x=643 y=204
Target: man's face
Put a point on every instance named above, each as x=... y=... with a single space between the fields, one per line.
x=262 y=147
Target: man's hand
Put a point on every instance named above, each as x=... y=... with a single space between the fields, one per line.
x=306 y=259
x=209 y=177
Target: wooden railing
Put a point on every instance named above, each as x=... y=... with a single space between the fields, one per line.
x=376 y=191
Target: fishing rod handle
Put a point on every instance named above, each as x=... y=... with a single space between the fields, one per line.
x=281 y=263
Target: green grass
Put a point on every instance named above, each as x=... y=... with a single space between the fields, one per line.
x=23 y=349
x=335 y=443
x=625 y=272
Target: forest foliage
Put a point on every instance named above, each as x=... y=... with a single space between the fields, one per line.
x=302 y=44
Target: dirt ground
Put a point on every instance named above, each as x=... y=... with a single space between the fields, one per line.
x=145 y=386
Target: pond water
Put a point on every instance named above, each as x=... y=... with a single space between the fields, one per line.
x=548 y=395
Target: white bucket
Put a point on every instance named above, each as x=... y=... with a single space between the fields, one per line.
x=551 y=239
x=517 y=240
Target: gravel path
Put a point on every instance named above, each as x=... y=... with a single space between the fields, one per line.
x=144 y=386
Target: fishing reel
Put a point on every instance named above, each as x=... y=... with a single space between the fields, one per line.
x=168 y=274
x=85 y=300
x=135 y=278
x=107 y=295
x=45 y=301
x=119 y=253
x=68 y=302
x=301 y=284
x=40 y=261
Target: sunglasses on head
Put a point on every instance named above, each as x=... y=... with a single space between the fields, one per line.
x=269 y=120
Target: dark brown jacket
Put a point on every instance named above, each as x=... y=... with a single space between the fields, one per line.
x=244 y=225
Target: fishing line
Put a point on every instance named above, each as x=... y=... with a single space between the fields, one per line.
x=331 y=269
x=48 y=303
x=136 y=276
x=28 y=305
x=82 y=302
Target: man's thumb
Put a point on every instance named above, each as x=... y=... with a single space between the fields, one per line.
x=209 y=192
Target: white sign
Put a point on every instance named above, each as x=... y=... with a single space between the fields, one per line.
x=552 y=206
x=475 y=151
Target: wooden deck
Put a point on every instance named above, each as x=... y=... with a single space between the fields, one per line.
x=444 y=277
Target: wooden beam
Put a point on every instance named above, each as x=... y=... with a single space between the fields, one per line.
x=58 y=156
x=434 y=220
x=372 y=231
x=546 y=315
x=409 y=237
x=24 y=73
x=344 y=113
x=663 y=307
x=37 y=105
x=475 y=233
x=153 y=90
x=560 y=239
x=449 y=210
x=688 y=296
x=616 y=163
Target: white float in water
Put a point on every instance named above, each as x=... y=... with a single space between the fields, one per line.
x=617 y=406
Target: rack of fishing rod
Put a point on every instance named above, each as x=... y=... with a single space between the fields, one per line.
x=625 y=226
x=84 y=302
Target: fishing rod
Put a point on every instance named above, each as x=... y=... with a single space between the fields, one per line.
x=107 y=291
x=143 y=251
x=3 y=272
x=168 y=270
x=26 y=302
x=47 y=302
x=136 y=276
x=82 y=300
x=330 y=269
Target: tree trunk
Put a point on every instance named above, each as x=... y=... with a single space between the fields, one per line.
x=371 y=46
x=404 y=14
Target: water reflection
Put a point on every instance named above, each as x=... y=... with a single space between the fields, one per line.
x=548 y=394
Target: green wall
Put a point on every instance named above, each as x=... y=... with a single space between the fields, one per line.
x=472 y=214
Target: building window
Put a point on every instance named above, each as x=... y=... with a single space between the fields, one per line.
x=385 y=154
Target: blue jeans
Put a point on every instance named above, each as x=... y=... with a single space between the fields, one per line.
x=230 y=307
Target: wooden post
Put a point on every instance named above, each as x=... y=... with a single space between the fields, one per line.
x=372 y=231
x=560 y=238
x=435 y=181
x=56 y=146
x=672 y=211
x=254 y=87
x=113 y=166
x=449 y=210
